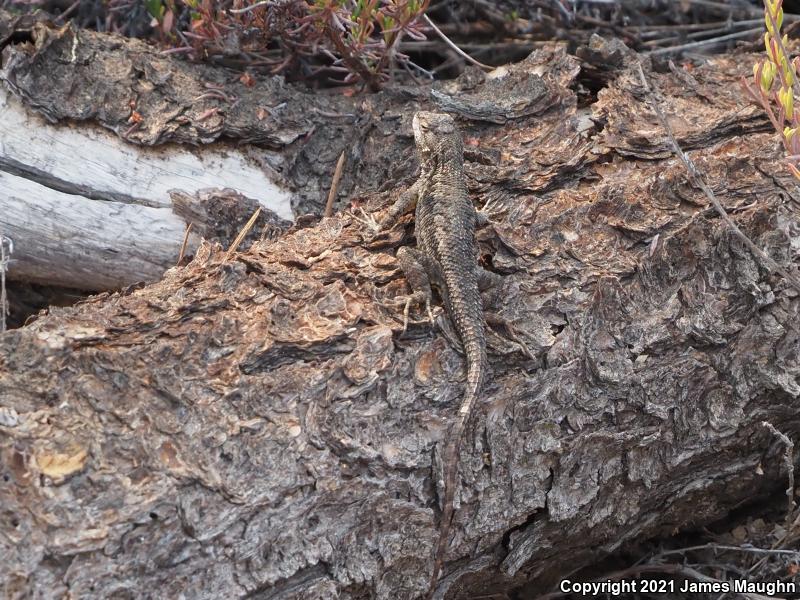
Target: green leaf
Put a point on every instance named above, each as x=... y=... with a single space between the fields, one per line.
x=155 y=8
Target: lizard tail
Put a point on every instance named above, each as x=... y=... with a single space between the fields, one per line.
x=476 y=370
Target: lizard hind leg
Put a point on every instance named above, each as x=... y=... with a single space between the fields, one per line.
x=492 y=290
x=413 y=264
x=488 y=279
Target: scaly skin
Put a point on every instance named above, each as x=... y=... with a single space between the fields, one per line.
x=447 y=256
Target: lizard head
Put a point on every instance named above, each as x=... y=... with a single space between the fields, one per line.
x=432 y=130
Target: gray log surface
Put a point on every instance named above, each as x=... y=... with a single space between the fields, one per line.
x=89 y=211
x=257 y=428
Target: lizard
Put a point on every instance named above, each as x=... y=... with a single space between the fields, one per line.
x=447 y=257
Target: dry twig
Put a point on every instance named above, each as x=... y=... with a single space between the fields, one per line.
x=184 y=244
x=6 y=249
x=748 y=33
x=337 y=175
x=669 y=569
x=699 y=181
x=248 y=226
x=788 y=461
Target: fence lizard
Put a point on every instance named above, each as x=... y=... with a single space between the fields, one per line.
x=447 y=257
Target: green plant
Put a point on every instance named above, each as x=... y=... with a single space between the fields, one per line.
x=365 y=33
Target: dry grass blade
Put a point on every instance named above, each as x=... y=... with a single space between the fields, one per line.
x=455 y=48
x=239 y=11
x=245 y=230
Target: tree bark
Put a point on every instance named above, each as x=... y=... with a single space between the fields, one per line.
x=257 y=427
x=89 y=211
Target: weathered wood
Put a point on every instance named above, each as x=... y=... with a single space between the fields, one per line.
x=149 y=99
x=257 y=428
x=85 y=160
x=69 y=240
x=88 y=211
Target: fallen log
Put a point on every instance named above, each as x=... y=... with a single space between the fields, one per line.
x=88 y=211
x=255 y=426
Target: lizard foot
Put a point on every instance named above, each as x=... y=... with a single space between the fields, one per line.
x=490 y=211
x=511 y=340
x=407 y=302
x=369 y=221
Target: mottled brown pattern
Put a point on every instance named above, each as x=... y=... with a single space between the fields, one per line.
x=256 y=429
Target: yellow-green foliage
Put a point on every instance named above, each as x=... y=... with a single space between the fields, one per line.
x=775 y=78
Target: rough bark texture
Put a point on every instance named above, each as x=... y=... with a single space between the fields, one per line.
x=256 y=428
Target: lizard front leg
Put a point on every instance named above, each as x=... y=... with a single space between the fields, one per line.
x=485 y=215
x=406 y=202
